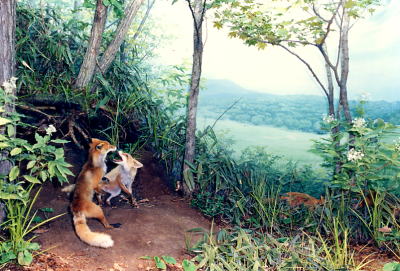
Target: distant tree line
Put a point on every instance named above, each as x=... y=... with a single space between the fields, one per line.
x=303 y=113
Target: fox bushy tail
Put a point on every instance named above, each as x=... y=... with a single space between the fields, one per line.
x=96 y=239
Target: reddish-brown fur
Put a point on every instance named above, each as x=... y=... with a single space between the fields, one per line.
x=87 y=182
x=296 y=199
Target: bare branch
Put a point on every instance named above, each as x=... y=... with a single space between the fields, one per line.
x=318 y=14
x=308 y=67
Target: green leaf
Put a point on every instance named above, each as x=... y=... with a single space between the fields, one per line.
x=31 y=179
x=8 y=256
x=30 y=164
x=350 y=4
x=159 y=263
x=15 y=151
x=43 y=175
x=3 y=145
x=14 y=172
x=218 y=25
x=37 y=219
x=10 y=196
x=25 y=257
x=33 y=246
x=188 y=266
x=47 y=210
x=59 y=141
x=146 y=258
x=169 y=259
x=10 y=130
x=393 y=266
x=4 y=121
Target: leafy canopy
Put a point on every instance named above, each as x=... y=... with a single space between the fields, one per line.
x=289 y=22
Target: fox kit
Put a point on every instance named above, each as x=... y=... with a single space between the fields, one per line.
x=121 y=177
x=87 y=182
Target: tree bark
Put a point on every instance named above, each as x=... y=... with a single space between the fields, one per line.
x=144 y=19
x=7 y=62
x=122 y=29
x=329 y=79
x=190 y=145
x=7 y=39
x=344 y=63
x=88 y=66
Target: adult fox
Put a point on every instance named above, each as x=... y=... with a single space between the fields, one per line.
x=82 y=206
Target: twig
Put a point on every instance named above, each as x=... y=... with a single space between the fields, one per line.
x=25 y=107
x=225 y=111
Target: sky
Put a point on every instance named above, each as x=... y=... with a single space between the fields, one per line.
x=374 y=55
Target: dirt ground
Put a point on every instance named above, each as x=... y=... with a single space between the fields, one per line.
x=156 y=228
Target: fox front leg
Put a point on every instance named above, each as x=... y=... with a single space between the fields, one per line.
x=99 y=193
x=134 y=202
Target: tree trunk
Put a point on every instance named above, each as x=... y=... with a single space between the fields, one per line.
x=88 y=66
x=144 y=19
x=123 y=27
x=7 y=61
x=7 y=39
x=198 y=15
x=344 y=62
x=331 y=93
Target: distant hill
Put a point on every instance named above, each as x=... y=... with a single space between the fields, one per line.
x=296 y=112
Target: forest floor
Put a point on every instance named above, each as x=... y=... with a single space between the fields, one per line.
x=158 y=227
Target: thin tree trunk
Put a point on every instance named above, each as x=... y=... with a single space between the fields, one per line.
x=122 y=29
x=7 y=39
x=331 y=109
x=77 y=4
x=344 y=62
x=198 y=15
x=7 y=62
x=144 y=19
x=331 y=94
x=88 y=66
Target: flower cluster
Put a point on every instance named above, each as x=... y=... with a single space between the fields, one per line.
x=51 y=129
x=397 y=144
x=10 y=85
x=359 y=122
x=354 y=155
x=329 y=119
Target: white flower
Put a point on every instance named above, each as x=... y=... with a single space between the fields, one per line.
x=359 y=122
x=10 y=85
x=329 y=119
x=397 y=144
x=354 y=155
x=51 y=129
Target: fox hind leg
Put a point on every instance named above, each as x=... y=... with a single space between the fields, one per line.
x=112 y=195
x=95 y=211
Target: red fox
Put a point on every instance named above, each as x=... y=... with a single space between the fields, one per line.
x=296 y=199
x=82 y=206
x=121 y=177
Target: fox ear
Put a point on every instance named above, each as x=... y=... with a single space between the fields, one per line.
x=98 y=147
x=137 y=164
x=93 y=142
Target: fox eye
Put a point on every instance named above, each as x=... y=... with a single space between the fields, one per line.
x=99 y=146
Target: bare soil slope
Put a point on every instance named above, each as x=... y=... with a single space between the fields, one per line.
x=156 y=228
